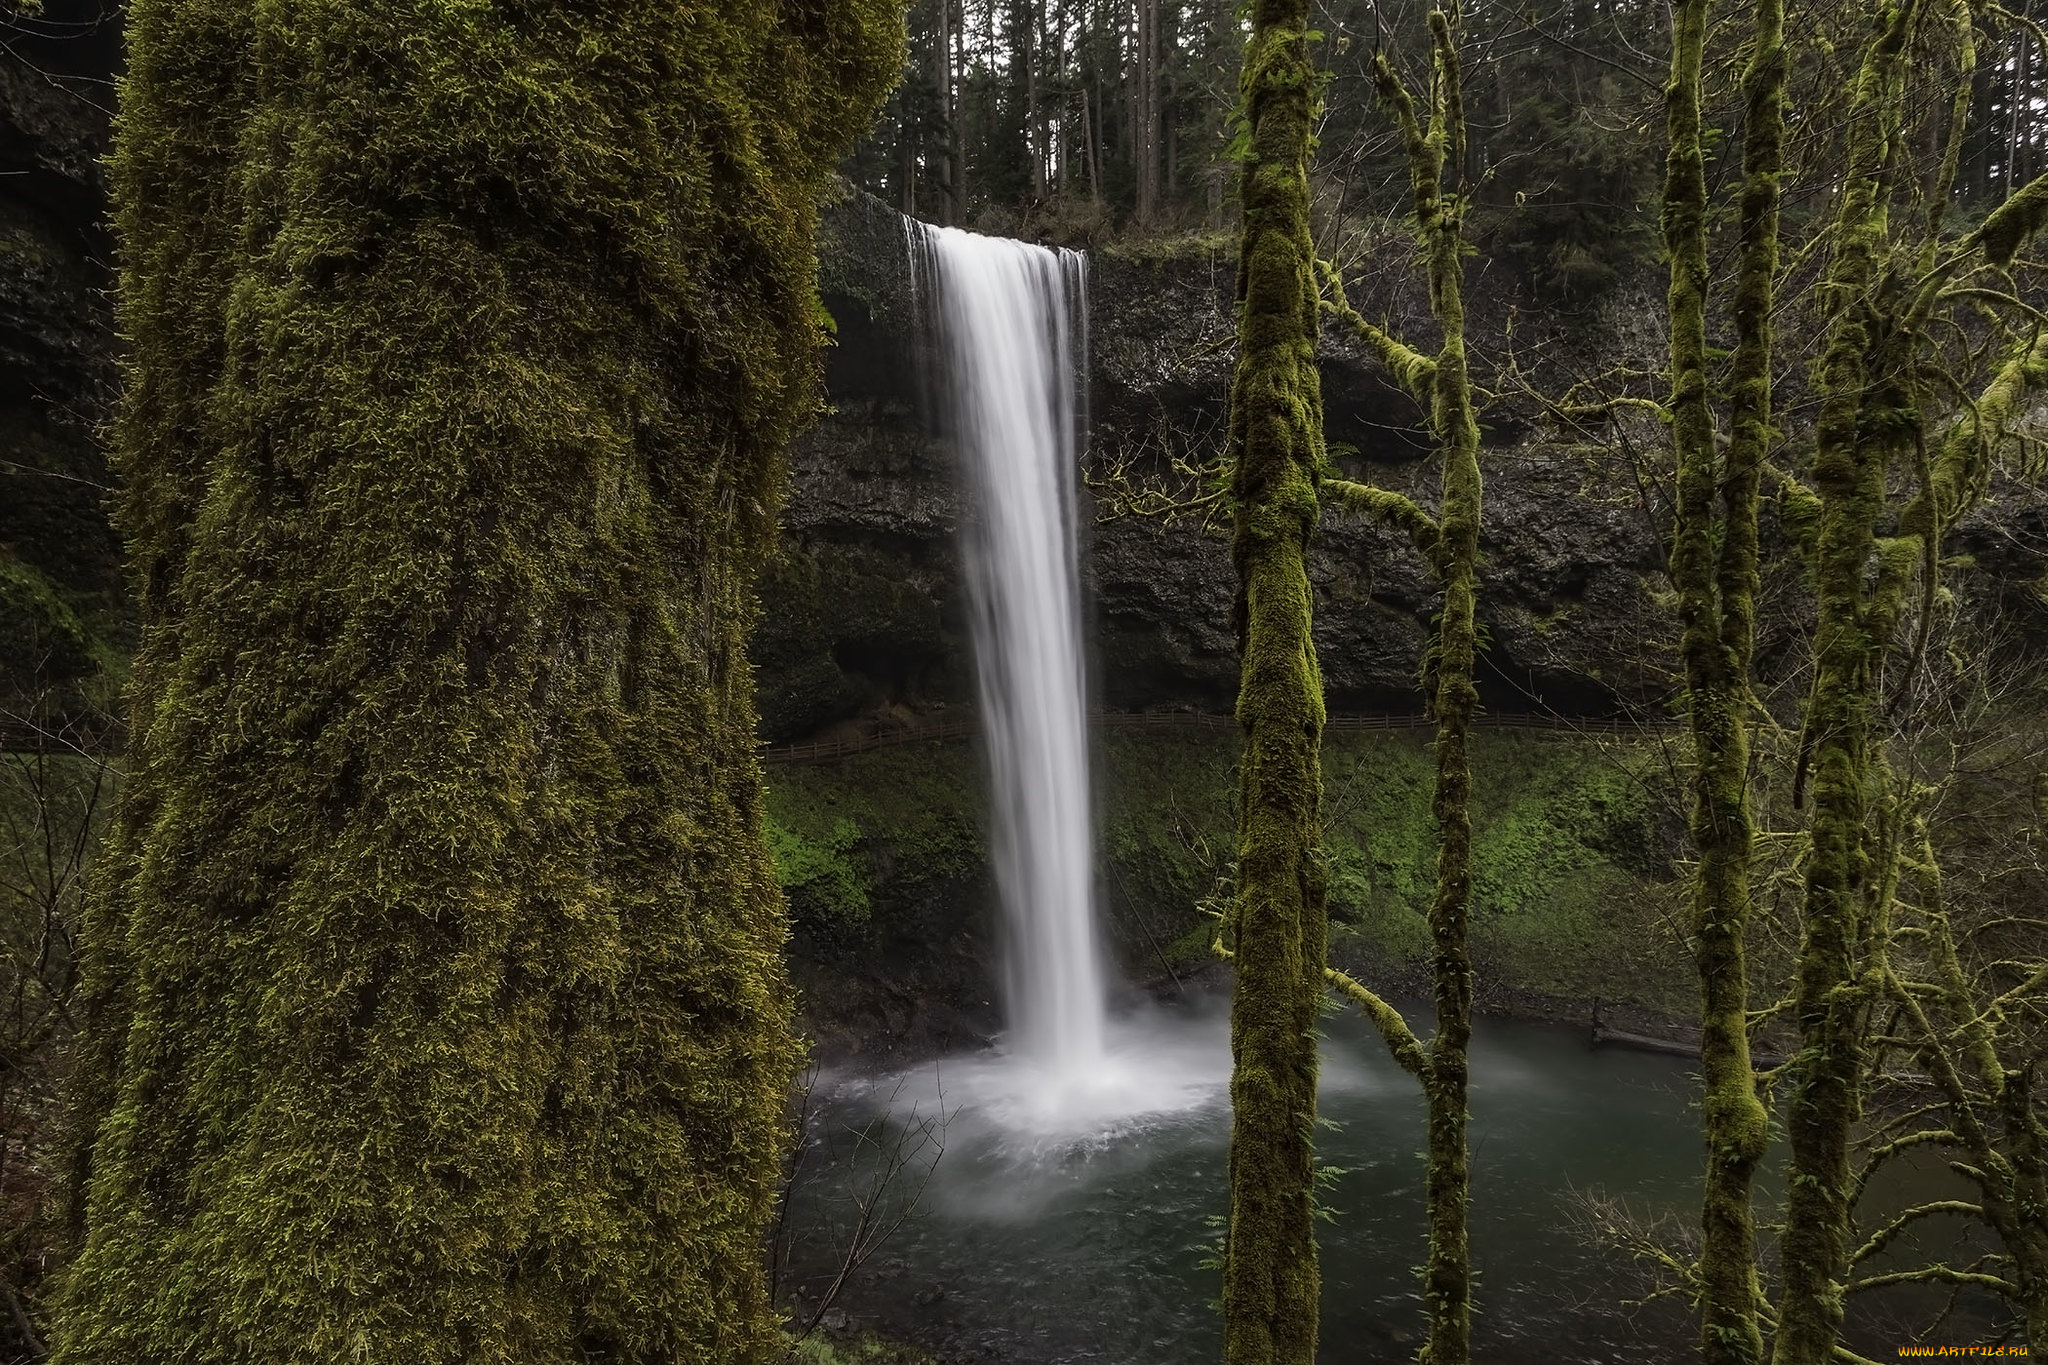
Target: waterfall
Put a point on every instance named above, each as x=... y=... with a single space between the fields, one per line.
x=1011 y=323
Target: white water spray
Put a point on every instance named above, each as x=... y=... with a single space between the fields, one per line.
x=1012 y=321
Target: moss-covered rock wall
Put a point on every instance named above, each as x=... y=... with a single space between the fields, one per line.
x=882 y=857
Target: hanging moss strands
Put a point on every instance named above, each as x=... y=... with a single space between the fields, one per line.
x=438 y=1012
x=1270 y=1283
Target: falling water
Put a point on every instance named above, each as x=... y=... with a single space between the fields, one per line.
x=1011 y=319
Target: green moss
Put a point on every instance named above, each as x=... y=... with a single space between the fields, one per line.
x=1152 y=249
x=2009 y=226
x=857 y=837
x=437 y=959
x=817 y=1350
x=1868 y=412
x=825 y=876
x=1451 y=546
x=1569 y=895
x=1278 y=921
x=1167 y=830
x=41 y=636
x=1565 y=882
x=1571 y=872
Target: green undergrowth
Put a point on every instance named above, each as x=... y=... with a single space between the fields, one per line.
x=44 y=638
x=878 y=828
x=816 y=1350
x=1571 y=867
x=1191 y=245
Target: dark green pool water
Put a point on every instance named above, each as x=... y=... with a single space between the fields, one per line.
x=1052 y=1245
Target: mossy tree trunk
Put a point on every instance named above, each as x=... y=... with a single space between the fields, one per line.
x=1868 y=414
x=437 y=1005
x=176 y=213
x=1965 y=1025
x=1450 y=540
x=1714 y=569
x=1873 y=430
x=1270 y=1278
x=1986 y=1115
x=1453 y=699
x=1868 y=557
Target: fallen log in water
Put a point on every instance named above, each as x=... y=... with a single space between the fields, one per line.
x=1670 y=1047
x=1603 y=1036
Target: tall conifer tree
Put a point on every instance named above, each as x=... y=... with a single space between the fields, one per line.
x=436 y=1010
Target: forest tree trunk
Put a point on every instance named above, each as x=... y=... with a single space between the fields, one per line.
x=1270 y=1281
x=1864 y=421
x=1714 y=567
x=440 y=1014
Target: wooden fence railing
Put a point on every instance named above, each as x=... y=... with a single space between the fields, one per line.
x=815 y=751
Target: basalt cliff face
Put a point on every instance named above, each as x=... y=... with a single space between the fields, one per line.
x=862 y=615
x=863 y=625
